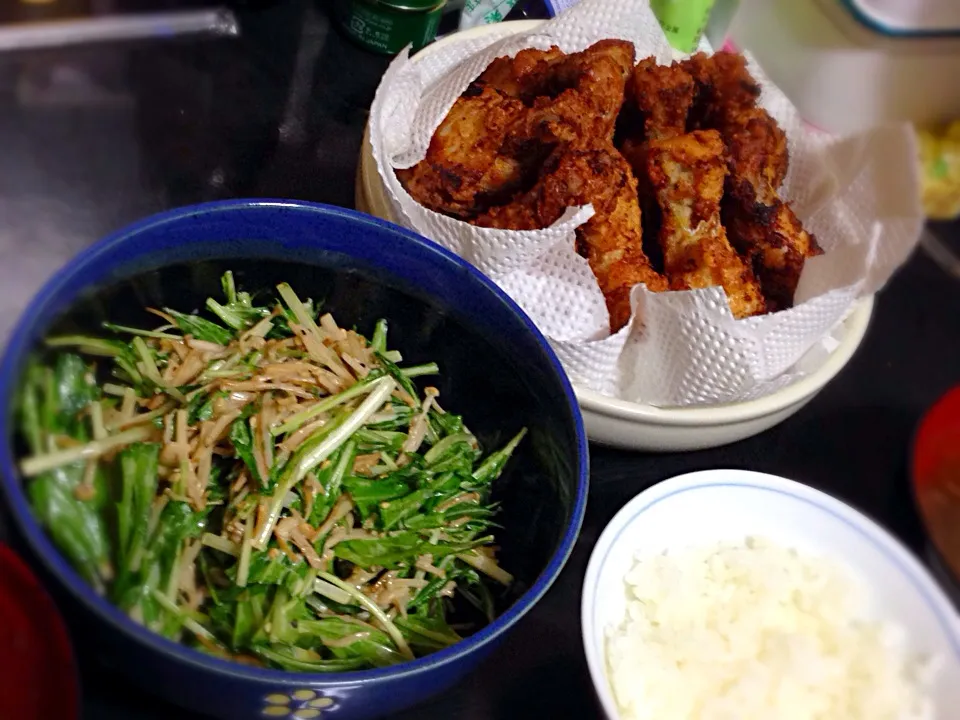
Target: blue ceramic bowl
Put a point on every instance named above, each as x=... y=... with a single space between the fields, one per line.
x=498 y=371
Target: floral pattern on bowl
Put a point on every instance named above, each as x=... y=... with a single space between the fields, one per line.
x=305 y=704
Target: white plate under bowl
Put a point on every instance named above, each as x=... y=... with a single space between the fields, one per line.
x=635 y=426
x=704 y=508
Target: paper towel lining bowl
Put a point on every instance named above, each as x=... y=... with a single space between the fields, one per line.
x=634 y=426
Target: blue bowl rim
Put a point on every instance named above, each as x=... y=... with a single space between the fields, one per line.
x=41 y=544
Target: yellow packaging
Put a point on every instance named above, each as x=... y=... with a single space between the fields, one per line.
x=940 y=171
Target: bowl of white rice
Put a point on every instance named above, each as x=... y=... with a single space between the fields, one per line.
x=733 y=595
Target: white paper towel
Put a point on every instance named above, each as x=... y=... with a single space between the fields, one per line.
x=858 y=194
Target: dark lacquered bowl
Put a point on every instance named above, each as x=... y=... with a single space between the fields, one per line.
x=498 y=371
x=935 y=471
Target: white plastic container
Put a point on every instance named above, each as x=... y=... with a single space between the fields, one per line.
x=850 y=64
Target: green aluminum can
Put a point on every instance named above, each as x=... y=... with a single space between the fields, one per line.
x=388 y=26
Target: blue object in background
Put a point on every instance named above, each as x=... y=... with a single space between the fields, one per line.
x=539 y=9
x=532 y=10
x=917 y=21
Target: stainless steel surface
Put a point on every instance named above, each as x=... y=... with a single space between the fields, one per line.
x=71 y=176
x=95 y=136
x=110 y=28
x=941 y=253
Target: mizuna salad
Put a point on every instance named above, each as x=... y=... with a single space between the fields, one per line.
x=264 y=484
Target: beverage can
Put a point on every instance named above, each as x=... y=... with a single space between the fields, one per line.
x=683 y=21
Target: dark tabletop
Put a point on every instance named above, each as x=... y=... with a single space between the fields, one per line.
x=95 y=137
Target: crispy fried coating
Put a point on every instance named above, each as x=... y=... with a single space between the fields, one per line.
x=576 y=98
x=664 y=95
x=501 y=129
x=658 y=101
x=724 y=86
x=773 y=239
x=761 y=226
x=756 y=147
x=697 y=181
x=520 y=75
x=464 y=162
x=610 y=240
x=688 y=173
x=726 y=99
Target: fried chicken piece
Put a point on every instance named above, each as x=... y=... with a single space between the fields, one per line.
x=756 y=147
x=519 y=76
x=664 y=95
x=688 y=174
x=774 y=240
x=660 y=96
x=724 y=86
x=726 y=99
x=761 y=226
x=502 y=128
x=464 y=165
x=610 y=240
x=576 y=98
x=658 y=100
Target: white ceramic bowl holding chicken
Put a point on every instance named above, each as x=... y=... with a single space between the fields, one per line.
x=636 y=426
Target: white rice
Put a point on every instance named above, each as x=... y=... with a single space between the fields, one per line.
x=753 y=631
